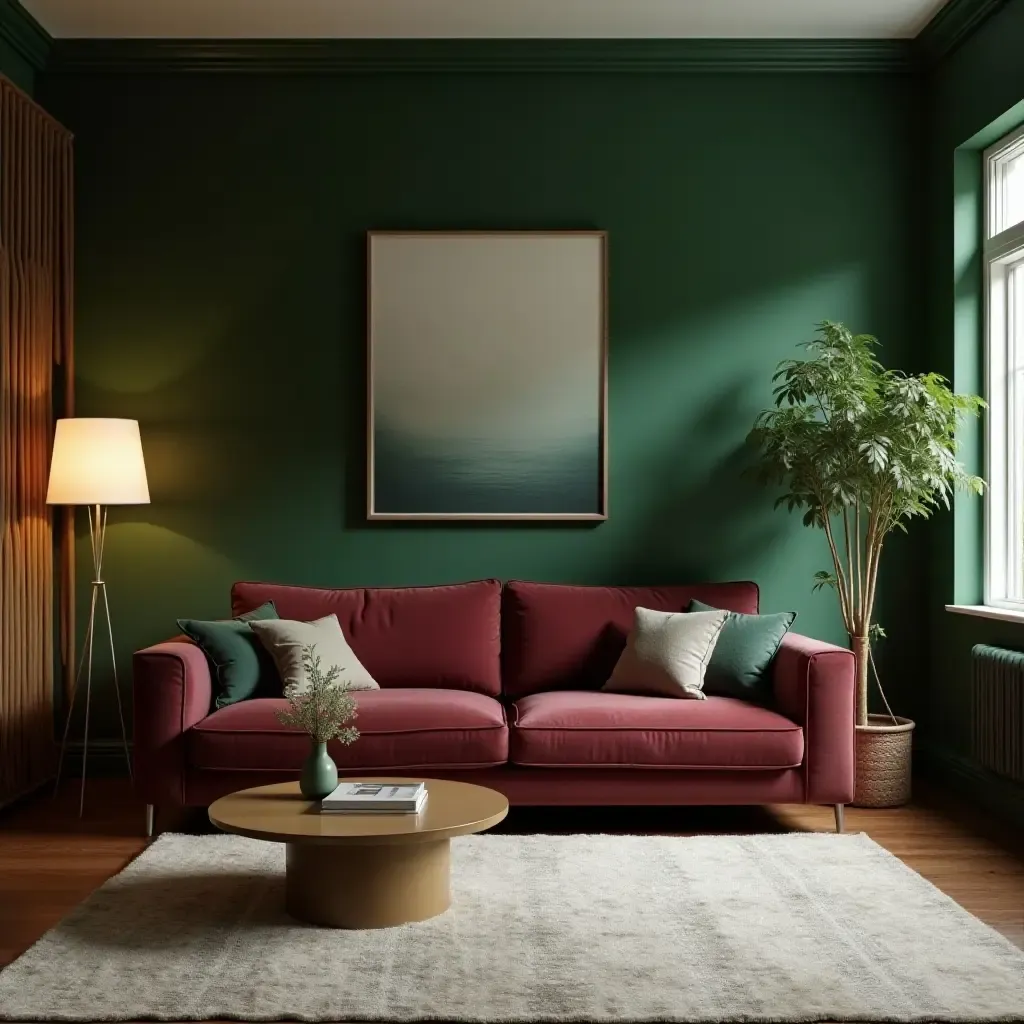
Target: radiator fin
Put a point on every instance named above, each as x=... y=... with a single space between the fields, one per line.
x=998 y=710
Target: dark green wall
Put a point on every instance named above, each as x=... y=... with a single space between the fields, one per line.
x=16 y=68
x=24 y=45
x=971 y=93
x=221 y=286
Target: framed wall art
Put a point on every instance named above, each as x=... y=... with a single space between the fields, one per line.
x=487 y=375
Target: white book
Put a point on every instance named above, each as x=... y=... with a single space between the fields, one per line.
x=361 y=809
x=376 y=797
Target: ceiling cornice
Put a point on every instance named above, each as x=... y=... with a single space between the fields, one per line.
x=378 y=56
x=954 y=22
x=952 y=25
x=24 y=34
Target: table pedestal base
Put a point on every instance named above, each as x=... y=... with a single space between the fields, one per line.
x=343 y=885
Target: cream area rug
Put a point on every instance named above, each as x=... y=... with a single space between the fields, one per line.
x=805 y=927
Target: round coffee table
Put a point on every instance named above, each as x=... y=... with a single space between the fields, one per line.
x=362 y=870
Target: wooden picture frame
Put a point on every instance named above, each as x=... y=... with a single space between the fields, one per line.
x=487 y=375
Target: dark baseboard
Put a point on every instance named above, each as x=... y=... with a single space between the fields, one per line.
x=105 y=760
x=999 y=796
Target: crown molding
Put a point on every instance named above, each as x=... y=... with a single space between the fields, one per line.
x=375 y=56
x=952 y=24
x=24 y=34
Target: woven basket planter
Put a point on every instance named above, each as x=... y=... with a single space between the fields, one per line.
x=883 y=762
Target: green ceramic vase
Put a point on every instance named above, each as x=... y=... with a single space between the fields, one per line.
x=319 y=773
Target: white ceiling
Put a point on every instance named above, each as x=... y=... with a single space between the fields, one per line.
x=558 y=19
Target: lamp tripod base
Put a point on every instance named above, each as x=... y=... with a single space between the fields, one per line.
x=97 y=538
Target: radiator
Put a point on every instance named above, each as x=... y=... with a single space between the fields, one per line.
x=998 y=710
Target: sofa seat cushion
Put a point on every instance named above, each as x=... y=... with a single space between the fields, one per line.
x=399 y=729
x=578 y=729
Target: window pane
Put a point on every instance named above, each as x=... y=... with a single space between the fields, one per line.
x=1004 y=386
x=1015 y=446
x=1013 y=191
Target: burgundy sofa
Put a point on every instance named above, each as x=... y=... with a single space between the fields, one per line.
x=501 y=686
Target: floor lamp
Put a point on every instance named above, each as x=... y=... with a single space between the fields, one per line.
x=96 y=463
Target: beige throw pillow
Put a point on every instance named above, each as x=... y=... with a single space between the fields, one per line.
x=666 y=653
x=286 y=638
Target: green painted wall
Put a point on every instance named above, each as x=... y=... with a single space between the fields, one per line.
x=16 y=68
x=24 y=45
x=972 y=94
x=221 y=302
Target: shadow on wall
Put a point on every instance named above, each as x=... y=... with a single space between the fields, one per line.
x=683 y=506
x=708 y=518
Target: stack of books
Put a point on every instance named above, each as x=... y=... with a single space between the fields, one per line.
x=376 y=798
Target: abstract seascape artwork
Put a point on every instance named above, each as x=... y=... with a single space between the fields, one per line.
x=487 y=375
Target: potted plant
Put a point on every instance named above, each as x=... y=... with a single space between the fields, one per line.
x=322 y=710
x=863 y=450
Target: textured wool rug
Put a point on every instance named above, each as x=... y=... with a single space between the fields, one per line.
x=542 y=928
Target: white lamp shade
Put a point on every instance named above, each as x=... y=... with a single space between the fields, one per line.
x=97 y=462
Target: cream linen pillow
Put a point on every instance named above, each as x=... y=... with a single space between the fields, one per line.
x=285 y=639
x=666 y=653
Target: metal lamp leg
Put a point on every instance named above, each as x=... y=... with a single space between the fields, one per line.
x=839 y=817
x=97 y=539
x=150 y=820
x=71 y=704
x=117 y=685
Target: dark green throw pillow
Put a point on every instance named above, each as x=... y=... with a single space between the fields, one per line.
x=746 y=646
x=240 y=667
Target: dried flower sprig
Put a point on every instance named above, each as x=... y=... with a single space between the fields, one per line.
x=324 y=708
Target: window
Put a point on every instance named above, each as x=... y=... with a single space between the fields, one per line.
x=1004 y=272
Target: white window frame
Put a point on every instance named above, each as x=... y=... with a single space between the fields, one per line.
x=1004 y=449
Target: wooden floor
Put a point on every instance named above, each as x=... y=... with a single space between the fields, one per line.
x=50 y=861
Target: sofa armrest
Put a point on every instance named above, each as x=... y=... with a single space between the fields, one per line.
x=172 y=691
x=814 y=685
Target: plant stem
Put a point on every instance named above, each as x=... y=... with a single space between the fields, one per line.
x=852 y=582
x=840 y=575
x=878 y=683
x=860 y=574
x=873 y=582
x=869 y=552
x=862 y=654
x=876 y=537
x=316 y=713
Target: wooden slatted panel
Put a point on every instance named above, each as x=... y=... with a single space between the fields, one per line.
x=998 y=710
x=35 y=353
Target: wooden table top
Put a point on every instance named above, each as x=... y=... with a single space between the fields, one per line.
x=280 y=814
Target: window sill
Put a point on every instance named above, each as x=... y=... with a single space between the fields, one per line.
x=985 y=611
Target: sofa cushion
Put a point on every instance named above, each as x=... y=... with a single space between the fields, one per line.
x=297 y=647
x=667 y=654
x=743 y=654
x=582 y=729
x=399 y=729
x=240 y=665
x=436 y=637
x=558 y=637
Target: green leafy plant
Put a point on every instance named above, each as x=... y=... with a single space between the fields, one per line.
x=861 y=450
x=325 y=707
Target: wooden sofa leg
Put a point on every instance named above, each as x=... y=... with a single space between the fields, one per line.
x=839 y=817
x=150 y=820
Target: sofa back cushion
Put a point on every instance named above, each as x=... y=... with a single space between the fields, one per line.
x=446 y=637
x=557 y=637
